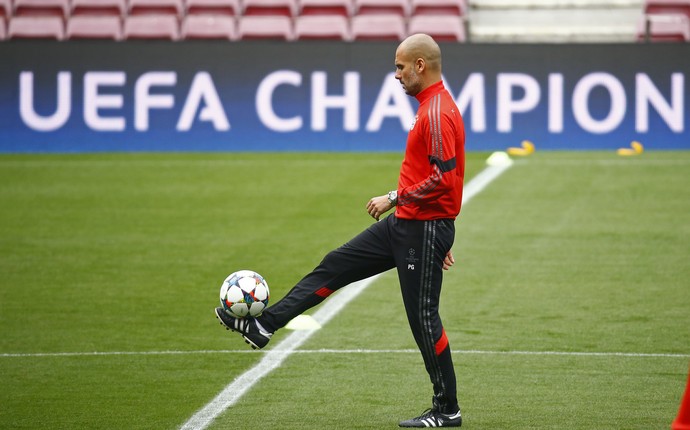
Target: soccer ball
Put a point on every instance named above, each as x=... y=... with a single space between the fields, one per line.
x=244 y=293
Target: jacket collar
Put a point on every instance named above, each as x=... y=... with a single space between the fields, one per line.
x=430 y=91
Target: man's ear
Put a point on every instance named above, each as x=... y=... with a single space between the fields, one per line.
x=420 y=65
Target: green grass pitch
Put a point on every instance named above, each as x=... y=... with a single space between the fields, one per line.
x=568 y=307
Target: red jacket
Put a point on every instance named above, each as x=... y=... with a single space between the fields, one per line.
x=432 y=172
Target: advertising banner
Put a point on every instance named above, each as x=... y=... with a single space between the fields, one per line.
x=92 y=96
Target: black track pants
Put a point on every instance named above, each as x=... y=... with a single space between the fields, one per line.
x=416 y=249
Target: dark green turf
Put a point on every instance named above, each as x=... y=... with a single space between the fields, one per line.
x=566 y=252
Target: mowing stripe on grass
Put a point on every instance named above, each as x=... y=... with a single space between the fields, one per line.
x=349 y=351
x=274 y=357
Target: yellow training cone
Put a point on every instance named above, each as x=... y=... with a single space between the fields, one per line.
x=526 y=149
x=636 y=148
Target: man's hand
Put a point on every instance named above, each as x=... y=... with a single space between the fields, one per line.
x=448 y=261
x=378 y=206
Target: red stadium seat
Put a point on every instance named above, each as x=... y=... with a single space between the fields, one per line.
x=664 y=28
x=156 y=7
x=94 y=27
x=41 y=8
x=36 y=27
x=667 y=7
x=204 y=26
x=384 y=7
x=5 y=9
x=99 y=7
x=325 y=7
x=270 y=7
x=163 y=27
x=276 y=27
x=378 y=27
x=215 y=7
x=443 y=28
x=439 y=7
x=321 y=27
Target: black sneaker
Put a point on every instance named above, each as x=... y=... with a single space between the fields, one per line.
x=434 y=418
x=247 y=327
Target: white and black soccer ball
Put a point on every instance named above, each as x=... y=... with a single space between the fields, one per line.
x=244 y=293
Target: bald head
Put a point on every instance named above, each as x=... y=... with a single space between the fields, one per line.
x=423 y=46
x=418 y=63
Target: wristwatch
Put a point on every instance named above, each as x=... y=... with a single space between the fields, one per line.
x=393 y=197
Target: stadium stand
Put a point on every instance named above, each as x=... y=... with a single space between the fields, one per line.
x=5 y=9
x=274 y=27
x=5 y=12
x=383 y=27
x=204 y=26
x=36 y=27
x=157 y=7
x=454 y=21
x=664 y=28
x=326 y=7
x=438 y=7
x=214 y=7
x=667 y=7
x=443 y=28
x=665 y=21
x=58 y=8
x=382 y=7
x=322 y=27
x=554 y=21
x=99 y=7
x=163 y=27
x=286 y=8
x=94 y=27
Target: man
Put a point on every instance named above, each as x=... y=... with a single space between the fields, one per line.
x=416 y=239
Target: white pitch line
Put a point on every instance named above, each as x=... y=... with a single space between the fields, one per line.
x=484 y=352
x=274 y=357
x=350 y=351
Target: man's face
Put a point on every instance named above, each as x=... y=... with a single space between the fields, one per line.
x=405 y=72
